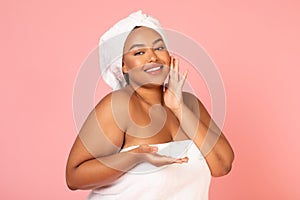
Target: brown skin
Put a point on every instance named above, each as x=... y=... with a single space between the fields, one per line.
x=95 y=159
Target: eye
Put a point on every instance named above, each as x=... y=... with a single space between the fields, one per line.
x=138 y=53
x=160 y=48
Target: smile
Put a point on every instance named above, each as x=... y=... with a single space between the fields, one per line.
x=153 y=69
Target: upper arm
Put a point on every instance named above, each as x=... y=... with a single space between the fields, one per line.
x=99 y=135
x=215 y=147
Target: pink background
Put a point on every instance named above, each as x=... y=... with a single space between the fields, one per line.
x=255 y=45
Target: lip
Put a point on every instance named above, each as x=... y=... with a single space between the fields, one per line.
x=151 y=66
x=147 y=68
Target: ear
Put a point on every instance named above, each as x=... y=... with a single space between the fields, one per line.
x=124 y=68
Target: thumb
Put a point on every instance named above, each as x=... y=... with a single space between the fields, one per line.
x=145 y=148
x=166 y=85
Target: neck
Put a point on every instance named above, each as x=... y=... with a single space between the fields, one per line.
x=150 y=95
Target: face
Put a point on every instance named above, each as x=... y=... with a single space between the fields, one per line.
x=145 y=57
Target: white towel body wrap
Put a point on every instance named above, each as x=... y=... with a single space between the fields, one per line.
x=176 y=181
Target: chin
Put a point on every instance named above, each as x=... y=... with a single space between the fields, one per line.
x=149 y=81
x=153 y=85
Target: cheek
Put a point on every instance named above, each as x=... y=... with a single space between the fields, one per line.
x=166 y=58
x=132 y=62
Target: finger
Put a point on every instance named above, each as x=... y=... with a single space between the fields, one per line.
x=184 y=75
x=182 y=160
x=183 y=78
x=175 y=63
x=185 y=159
x=172 y=74
x=170 y=160
x=176 y=68
x=171 y=68
x=171 y=63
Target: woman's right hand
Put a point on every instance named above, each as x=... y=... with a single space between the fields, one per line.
x=149 y=154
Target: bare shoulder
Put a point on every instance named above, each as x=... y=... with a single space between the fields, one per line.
x=115 y=97
x=112 y=107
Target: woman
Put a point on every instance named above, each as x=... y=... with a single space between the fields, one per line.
x=143 y=140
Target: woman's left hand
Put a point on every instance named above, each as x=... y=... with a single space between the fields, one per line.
x=173 y=93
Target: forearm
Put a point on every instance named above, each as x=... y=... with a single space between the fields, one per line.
x=102 y=171
x=209 y=139
x=191 y=125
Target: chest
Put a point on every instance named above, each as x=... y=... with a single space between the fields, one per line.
x=152 y=125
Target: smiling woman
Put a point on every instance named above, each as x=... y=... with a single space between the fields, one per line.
x=145 y=141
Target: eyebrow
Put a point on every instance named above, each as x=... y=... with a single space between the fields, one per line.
x=142 y=45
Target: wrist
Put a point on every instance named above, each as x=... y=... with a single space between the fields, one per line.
x=179 y=111
x=137 y=156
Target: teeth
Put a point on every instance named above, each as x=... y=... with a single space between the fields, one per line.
x=153 y=69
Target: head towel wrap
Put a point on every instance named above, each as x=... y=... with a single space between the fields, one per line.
x=112 y=43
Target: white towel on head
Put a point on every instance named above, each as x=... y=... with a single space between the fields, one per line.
x=112 y=43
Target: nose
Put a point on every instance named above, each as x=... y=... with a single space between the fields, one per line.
x=152 y=55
